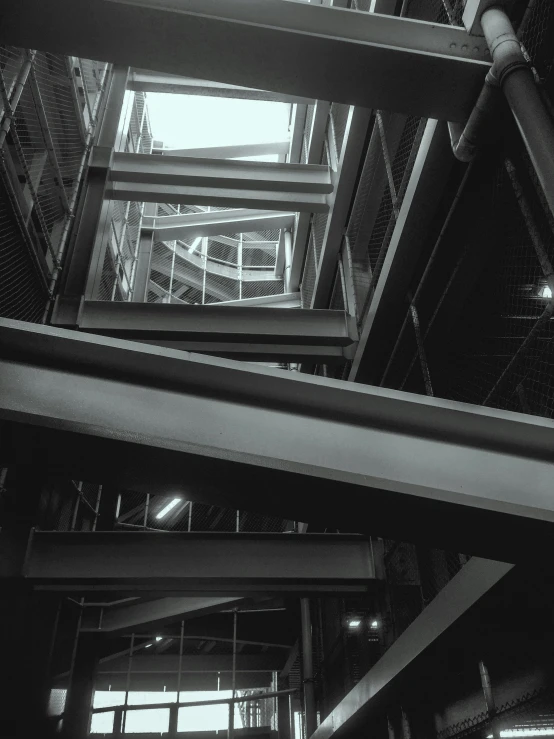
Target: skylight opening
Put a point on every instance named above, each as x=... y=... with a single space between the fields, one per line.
x=195 y=121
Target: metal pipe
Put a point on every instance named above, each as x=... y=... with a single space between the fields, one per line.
x=466 y=139
x=308 y=668
x=518 y=84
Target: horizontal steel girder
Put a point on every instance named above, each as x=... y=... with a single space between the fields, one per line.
x=229 y=564
x=285 y=300
x=196 y=663
x=216 y=223
x=190 y=681
x=246 y=352
x=223 y=196
x=418 y=68
x=363 y=702
x=463 y=477
x=211 y=323
x=197 y=172
x=143 y=81
x=230 y=152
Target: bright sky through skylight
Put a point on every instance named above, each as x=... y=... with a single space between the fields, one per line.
x=193 y=121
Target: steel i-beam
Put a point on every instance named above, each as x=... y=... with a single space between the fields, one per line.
x=425 y=69
x=414 y=468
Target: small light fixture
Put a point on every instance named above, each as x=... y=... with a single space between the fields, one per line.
x=147 y=645
x=545 y=292
x=168 y=507
x=354 y=623
x=159 y=638
x=375 y=624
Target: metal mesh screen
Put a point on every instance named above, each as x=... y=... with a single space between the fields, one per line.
x=42 y=161
x=23 y=293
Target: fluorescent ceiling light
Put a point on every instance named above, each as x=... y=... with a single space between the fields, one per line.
x=159 y=638
x=546 y=292
x=168 y=507
x=353 y=623
x=147 y=645
x=374 y=624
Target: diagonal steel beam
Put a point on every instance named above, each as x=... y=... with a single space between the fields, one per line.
x=387 y=306
x=465 y=589
x=473 y=479
x=425 y=69
x=152 y=613
x=214 y=323
x=144 y=81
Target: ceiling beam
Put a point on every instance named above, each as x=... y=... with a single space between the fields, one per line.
x=462 y=472
x=234 y=564
x=212 y=323
x=424 y=69
x=142 y=80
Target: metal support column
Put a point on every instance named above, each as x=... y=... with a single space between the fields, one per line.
x=27 y=620
x=94 y=215
x=78 y=704
x=310 y=721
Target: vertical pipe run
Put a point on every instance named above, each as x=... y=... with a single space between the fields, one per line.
x=308 y=668
x=518 y=84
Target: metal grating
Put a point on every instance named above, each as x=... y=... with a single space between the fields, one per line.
x=23 y=292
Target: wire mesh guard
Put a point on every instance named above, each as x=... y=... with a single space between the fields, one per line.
x=48 y=105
